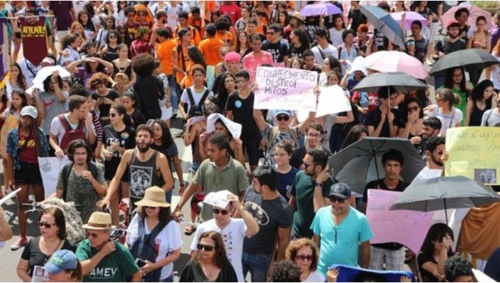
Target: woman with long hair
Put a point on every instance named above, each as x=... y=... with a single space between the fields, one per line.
x=455 y=81
x=89 y=27
x=337 y=30
x=164 y=143
x=119 y=13
x=243 y=46
x=483 y=98
x=77 y=28
x=118 y=137
x=155 y=217
x=283 y=18
x=449 y=116
x=286 y=172
x=183 y=62
x=481 y=37
x=102 y=35
x=110 y=50
x=298 y=43
x=436 y=249
x=141 y=42
x=24 y=145
x=210 y=262
x=197 y=60
x=103 y=96
x=91 y=65
x=17 y=79
x=412 y=116
x=330 y=63
x=228 y=89
x=356 y=133
x=63 y=266
x=305 y=254
x=129 y=101
x=123 y=64
x=39 y=249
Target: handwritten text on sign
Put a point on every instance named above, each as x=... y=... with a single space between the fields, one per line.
x=49 y=169
x=401 y=226
x=474 y=152
x=285 y=88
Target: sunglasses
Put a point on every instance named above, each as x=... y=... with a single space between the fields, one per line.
x=112 y=115
x=46 y=224
x=304 y=257
x=221 y=211
x=91 y=235
x=282 y=117
x=411 y=109
x=205 y=247
x=336 y=199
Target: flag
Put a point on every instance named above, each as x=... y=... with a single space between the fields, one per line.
x=4 y=52
x=34 y=34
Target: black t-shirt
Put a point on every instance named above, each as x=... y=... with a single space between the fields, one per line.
x=243 y=114
x=297 y=52
x=35 y=256
x=149 y=90
x=446 y=47
x=381 y=185
x=126 y=139
x=104 y=108
x=373 y=119
x=298 y=156
x=137 y=118
x=357 y=18
x=279 y=49
x=426 y=276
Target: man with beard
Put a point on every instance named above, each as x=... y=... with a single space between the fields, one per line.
x=219 y=172
x=309 y=192
x=431 y=127
x=147 y=168
x=452 y=42
x=392 y=255
x=434 y=151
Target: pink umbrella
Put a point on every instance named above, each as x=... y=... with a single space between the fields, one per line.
x=474 y=13
x=396 y=61
x=410 y=18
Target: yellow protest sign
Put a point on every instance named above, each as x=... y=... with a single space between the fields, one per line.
x=474 y=152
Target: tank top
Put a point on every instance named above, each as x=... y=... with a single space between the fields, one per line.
x=477 y=115
x=142 y=176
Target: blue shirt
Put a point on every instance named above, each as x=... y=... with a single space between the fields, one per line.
x=340 y=244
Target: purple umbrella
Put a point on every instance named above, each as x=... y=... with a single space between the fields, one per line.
x=410 y=18
x=320 y=9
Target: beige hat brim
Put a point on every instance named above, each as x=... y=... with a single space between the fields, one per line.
x=152 y=203
x=90 y=227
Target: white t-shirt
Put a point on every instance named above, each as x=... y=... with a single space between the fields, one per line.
x=71 y=56
x=233 y=236
x=29 y=71
x=57 y=129
x=330 y=50
x=196 y=97
x=173 y=15
x=491 y=116
x=168 y=240
x=447 y=120
x=336 y=36
x=315 y=276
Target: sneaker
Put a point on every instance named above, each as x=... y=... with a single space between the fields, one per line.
x=21 y=241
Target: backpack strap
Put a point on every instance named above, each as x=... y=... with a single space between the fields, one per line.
x=272 y=136
x=66 y=170
x=64 y=122
x=205 y=95
x=190 y=96
x=295 y=136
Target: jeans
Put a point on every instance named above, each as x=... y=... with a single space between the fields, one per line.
x=172 y=84
x=257 y=264
x=168 y=279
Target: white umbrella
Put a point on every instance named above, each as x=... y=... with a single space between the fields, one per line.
x=47 y=72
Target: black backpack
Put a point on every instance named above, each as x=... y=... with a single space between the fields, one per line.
x=196 y=109
x=144 y=248
x=66 y=170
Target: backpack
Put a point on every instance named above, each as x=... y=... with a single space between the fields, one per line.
x=74 y=231
x=66 y=170
x=274 y=133
x=196 y=109
x=145 y=248
x=71 y=134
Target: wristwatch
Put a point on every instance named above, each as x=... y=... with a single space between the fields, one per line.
x=318 y=184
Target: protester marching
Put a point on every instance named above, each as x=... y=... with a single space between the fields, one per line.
x=328 y=141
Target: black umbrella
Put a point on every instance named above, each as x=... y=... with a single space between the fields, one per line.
x=469 y=59
x=399 y=80
x=443 y=193
x=384 y=22
x=361 y=163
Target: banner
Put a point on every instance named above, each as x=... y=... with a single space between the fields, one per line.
x=474 y=152
x=406 y=227
x=4 y=51
x=49 y=169
x=34 y=35
x=285 y=88
x=332 y=100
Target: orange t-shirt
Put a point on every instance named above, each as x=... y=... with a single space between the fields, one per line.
x=197 y=24
x=186 y=66
x=210 y=49
x=227 y=37
x=165 y=53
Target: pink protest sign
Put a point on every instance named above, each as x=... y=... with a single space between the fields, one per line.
x=406 y=227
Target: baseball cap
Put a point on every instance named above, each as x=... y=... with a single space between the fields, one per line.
x=451 y=23
x=48 y=60
x=60 y=261
x=29 y=111
x=280 y=112
x=340 y=190
x=232 y=57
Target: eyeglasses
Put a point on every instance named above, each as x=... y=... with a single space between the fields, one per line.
x=411 y=109
x=91 y=235
x=282 y=117
x=314 y=135
x=205 y=247
x=334 y=199
x=112 y=115
x=270 y=33
x=221 y=211
x=304 y=257
x=47 y=225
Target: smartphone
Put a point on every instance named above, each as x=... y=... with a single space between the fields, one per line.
x=140 y=262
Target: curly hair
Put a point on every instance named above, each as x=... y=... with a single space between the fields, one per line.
x=143 y=65
x=98 y=79
x=295 y=246
x=141 y=31
x=285 y=271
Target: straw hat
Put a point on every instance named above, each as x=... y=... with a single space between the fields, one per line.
x=154 y=197
x=99 y=221
x=298 y=16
